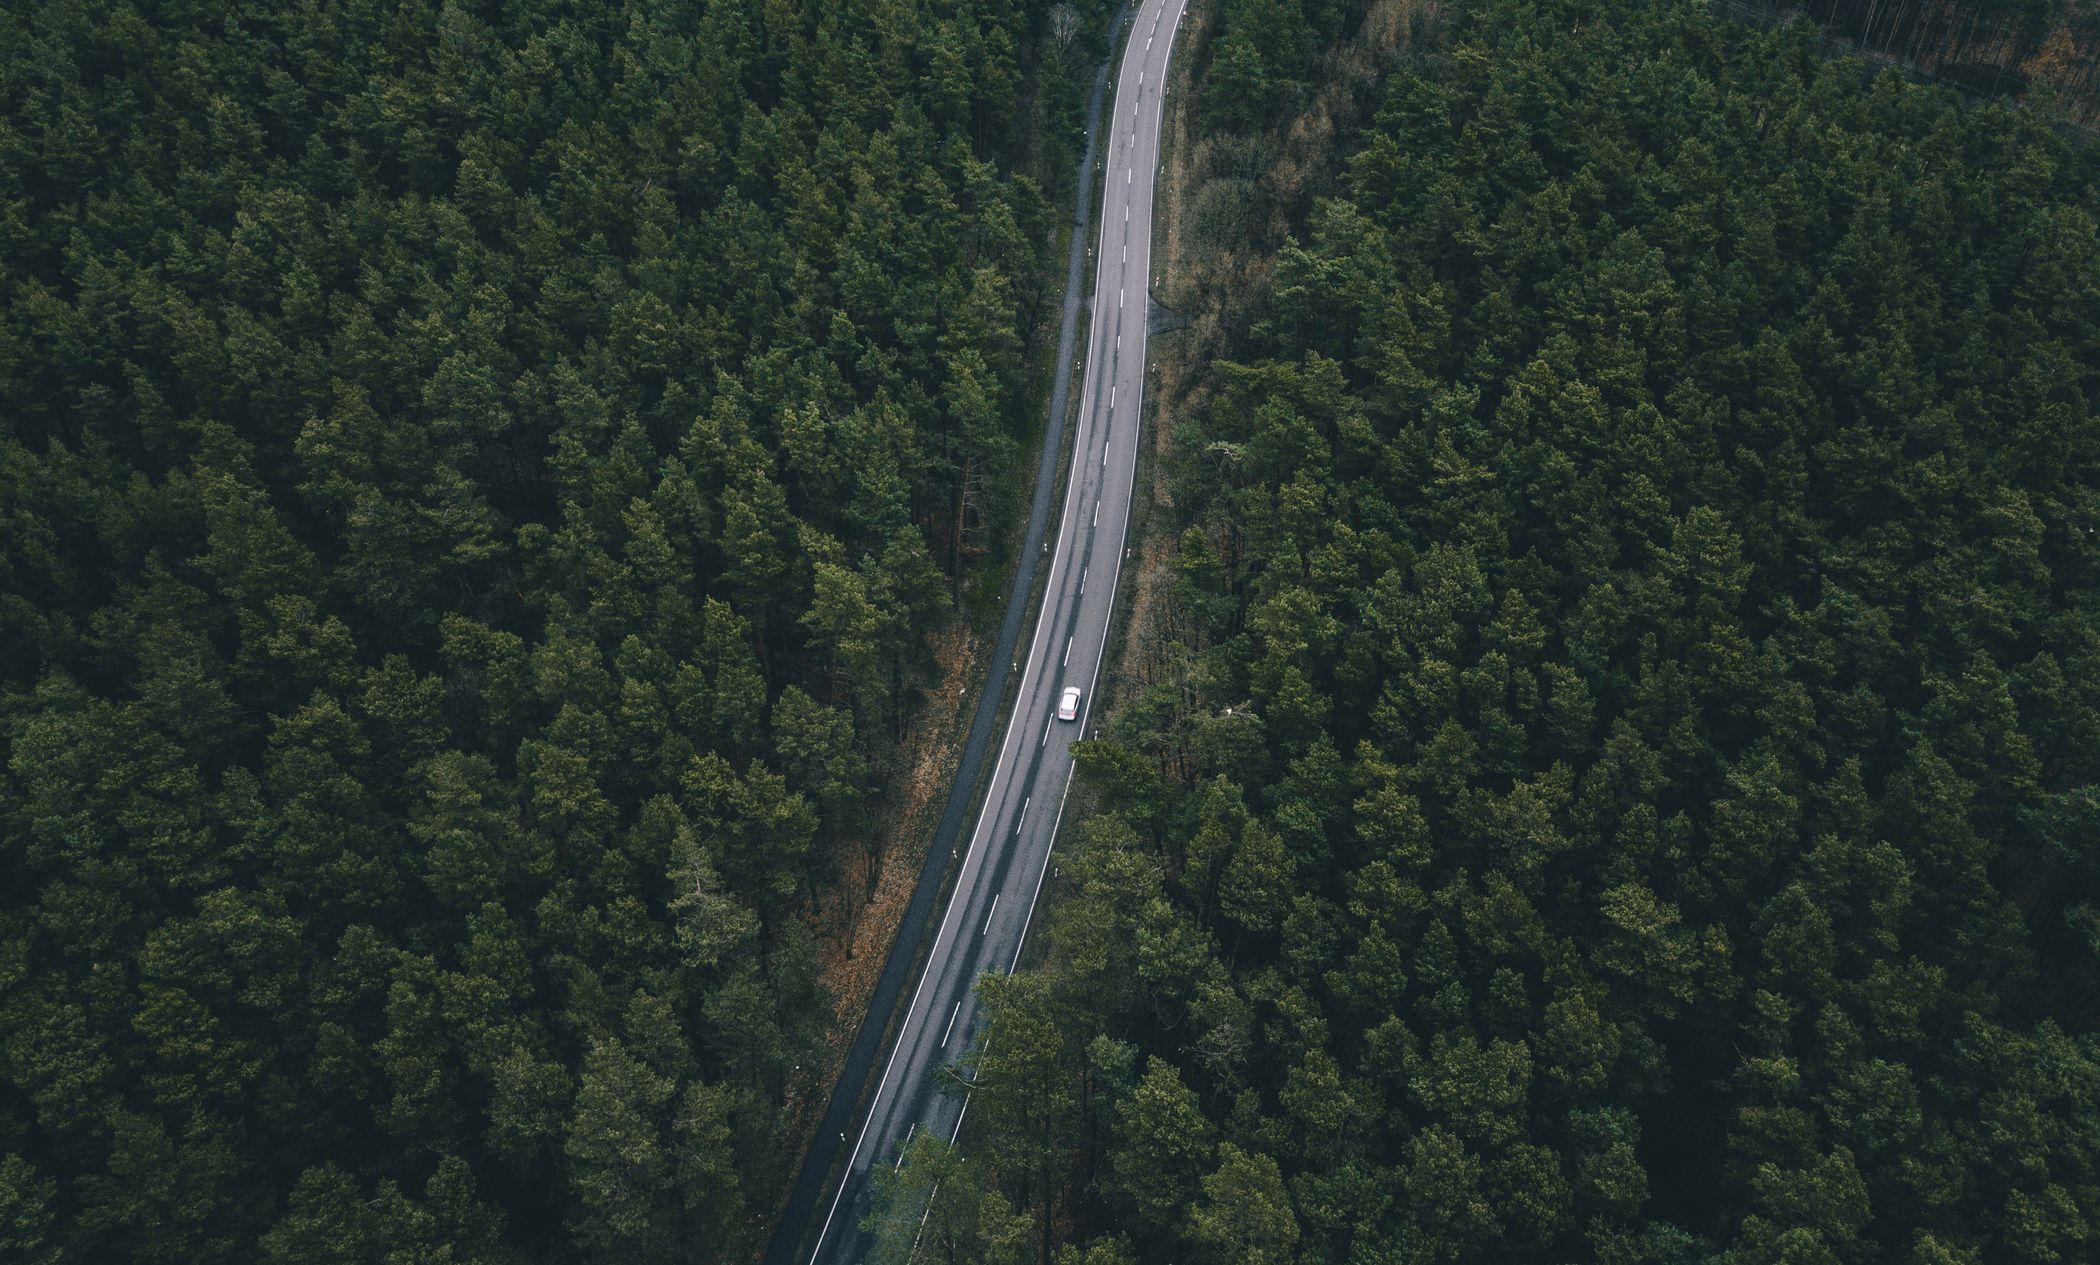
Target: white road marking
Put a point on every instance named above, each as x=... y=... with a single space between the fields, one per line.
x=1127 y=172
x=1097 y=512
x=973 y=856
x=1119 y=296
x=1082 y=579
x=1068 y=654
x=988 y=917
x=1046 y=734
x=947 y=1031
x=1029 y=921
x=914 y=1127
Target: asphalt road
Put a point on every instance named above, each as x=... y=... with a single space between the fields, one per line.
x=993 y=902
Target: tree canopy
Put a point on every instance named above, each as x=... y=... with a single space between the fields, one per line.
x=1622 y=784
x=474 y=483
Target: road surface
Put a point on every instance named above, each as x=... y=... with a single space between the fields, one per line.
x=993 y=902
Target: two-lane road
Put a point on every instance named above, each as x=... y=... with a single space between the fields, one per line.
x=1002 y=873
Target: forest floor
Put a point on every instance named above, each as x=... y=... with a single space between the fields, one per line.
x=853 y=944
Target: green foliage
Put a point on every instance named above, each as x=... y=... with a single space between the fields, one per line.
x=937 y=1206
x=478 y=480
x=1646 y=554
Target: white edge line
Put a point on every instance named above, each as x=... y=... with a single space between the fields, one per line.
x=1047 y=852
x=970 y=856
x=1092 y=682
x=972 y=851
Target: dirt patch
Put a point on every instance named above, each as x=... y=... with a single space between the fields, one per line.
x=865 y=908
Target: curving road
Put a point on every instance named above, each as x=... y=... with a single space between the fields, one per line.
x=995 y=891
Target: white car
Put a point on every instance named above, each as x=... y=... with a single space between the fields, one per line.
x=1068 y=706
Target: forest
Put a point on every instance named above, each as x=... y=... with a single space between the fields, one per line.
x=475 y=484
x=1625 y=781
x=2038 y=48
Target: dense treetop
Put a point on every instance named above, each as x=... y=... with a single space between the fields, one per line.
x=2038 y=48
x=473 y=483
x=1631 y=789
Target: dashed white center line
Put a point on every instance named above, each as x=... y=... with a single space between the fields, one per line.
x=911 y=1132
x=1122 y=301
x=1067 y=660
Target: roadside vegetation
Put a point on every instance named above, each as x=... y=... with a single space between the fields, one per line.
x=1630 y=791
x=2045 y=51
x=475 y=485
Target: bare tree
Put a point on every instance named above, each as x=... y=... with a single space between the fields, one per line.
x=1064 y=26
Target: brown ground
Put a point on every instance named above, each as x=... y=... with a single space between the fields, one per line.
x=851 y=957
x=855 y=938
